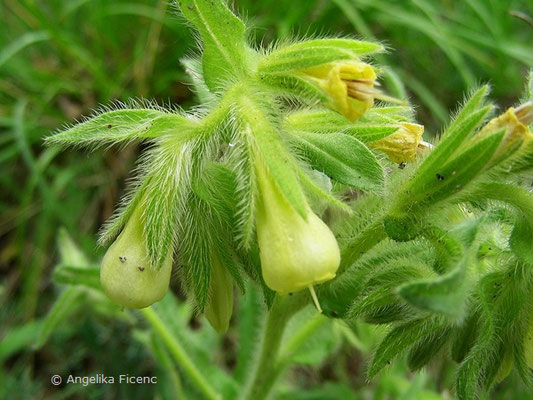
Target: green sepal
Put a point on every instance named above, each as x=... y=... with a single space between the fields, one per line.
x=286 y=85
x=315 y=52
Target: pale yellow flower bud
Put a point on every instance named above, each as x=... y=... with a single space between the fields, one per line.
x=126 y=275
x=296 y=253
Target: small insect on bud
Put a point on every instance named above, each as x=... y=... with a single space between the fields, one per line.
x=126 y=275
x=295 y=253
x=220 y=305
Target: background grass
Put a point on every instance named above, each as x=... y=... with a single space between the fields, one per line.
x=61 y=59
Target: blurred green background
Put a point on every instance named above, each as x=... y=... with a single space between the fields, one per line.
x=59 y=60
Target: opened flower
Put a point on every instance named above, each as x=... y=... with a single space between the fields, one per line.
x=350 y=85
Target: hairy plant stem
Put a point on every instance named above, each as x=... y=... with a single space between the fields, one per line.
x=179 y=354
x=265 y=373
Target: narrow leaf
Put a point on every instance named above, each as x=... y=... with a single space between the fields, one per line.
x=121 y=126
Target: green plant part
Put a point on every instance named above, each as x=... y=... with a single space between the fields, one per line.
x=296 y=253
x=220 y=304
x=126 y=274
x=528 y=345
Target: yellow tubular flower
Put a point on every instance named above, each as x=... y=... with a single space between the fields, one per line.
x=402 y=145
x=220 y=305
x=295 y=253
x=126 y=275
x=349 y=85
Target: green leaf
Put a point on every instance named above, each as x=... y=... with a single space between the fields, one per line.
x=225 y=54
x=69 y=251
x=448 y=250
x=453 y=176
x=399 y=339
x=462 y=127
x=427 y=348
x=445 y=294
x=251 y=314
x=315 y=52
x=118 y=126
x=465 y=337
x=19 y=338
x=315 y=121
x=68 y=302
x=343 y=158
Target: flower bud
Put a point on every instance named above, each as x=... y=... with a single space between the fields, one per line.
x=220 y=304
x=126 y=274
x=295 y=253
x=403 y=144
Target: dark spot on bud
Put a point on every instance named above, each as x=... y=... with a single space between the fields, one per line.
x=109 y=126
x=141 y=268
x=440 y=177
x=401 y=165
x=122 y=259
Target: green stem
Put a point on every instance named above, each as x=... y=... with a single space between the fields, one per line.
x=181 y=357
x=264 y=375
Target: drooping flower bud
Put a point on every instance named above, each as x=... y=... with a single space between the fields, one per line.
x=402 y=145
x=349 y=85
x=220 y=304
x=295 y=253
x=126 y=274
